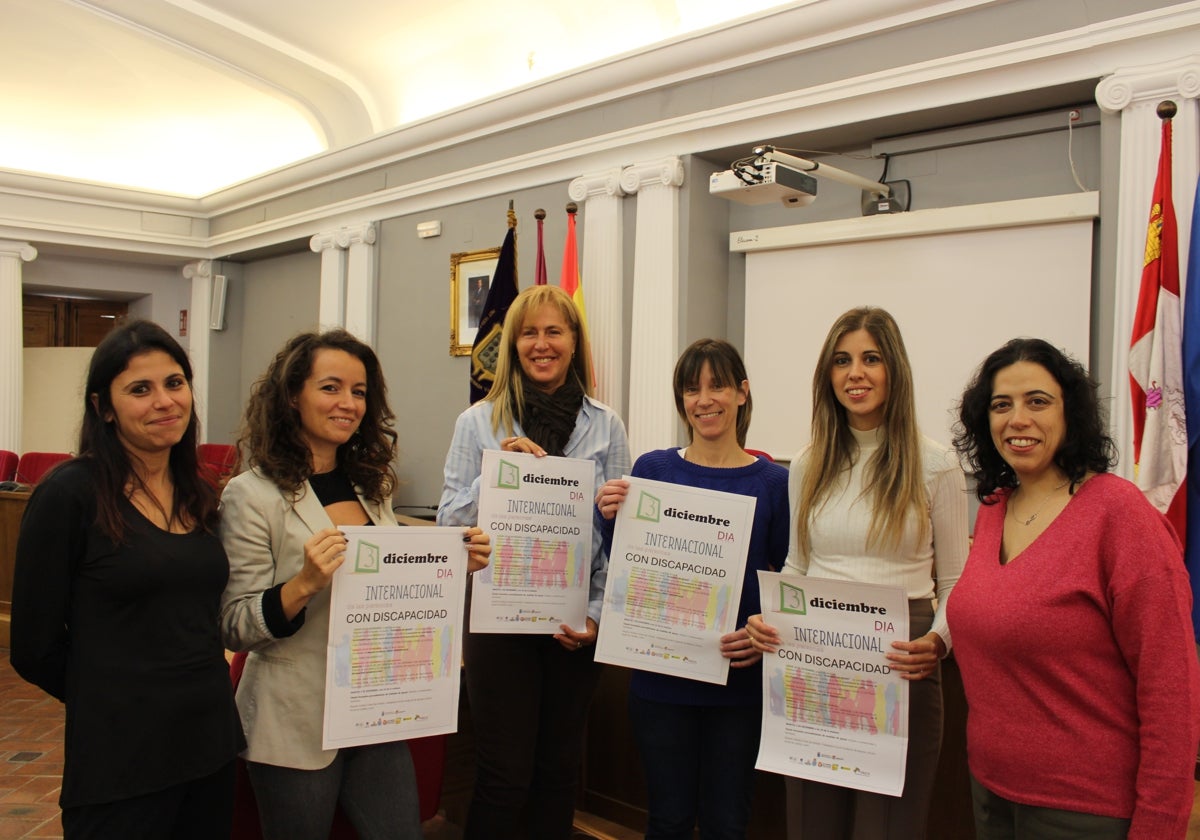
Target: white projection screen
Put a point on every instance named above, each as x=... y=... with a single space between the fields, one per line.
x=956 y=296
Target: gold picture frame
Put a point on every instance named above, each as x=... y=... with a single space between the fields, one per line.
x=471 y=275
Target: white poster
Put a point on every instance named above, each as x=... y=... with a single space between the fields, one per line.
x=538 y=512
x=675 y=579
x=833 y=711
x=395 y=636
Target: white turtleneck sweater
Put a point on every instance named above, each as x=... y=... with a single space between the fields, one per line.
x=839 y=530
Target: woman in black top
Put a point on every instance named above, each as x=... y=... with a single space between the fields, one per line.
x=118 y=578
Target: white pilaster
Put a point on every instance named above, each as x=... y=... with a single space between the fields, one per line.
x=348 y=279
x=361 y=281
x=12 y=341
x=200 y=274
x=654 y=332
x=603 y=284
x=1135 y=92
x=332 y=307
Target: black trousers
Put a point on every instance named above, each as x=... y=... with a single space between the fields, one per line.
x=201 y=809
x=529 y=701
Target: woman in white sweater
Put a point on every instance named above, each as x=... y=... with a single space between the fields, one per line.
x=874 y=501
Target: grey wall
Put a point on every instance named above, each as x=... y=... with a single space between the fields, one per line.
x=227 y=387
x=427 y=387
x=266 y=303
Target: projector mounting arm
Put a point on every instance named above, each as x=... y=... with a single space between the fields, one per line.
x=767 y=154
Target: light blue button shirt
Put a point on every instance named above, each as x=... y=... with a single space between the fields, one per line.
x=599 y=436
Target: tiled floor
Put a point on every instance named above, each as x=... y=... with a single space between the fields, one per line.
x=31 y=760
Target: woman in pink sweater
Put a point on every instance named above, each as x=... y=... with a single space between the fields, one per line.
x=1072 y=620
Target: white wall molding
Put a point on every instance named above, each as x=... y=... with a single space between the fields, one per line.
x=938 y=220
x=101 y=218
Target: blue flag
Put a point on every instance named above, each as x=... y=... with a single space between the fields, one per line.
x=1191 y=389
x=502 y=292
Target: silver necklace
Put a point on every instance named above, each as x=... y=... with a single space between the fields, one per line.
x=1029 y=521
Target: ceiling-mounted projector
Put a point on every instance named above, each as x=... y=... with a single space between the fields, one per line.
x=764 y=183
x=772 y=175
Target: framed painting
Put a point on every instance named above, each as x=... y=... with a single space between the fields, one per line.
x=470 y=278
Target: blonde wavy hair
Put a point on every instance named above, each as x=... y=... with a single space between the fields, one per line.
x=894 y=475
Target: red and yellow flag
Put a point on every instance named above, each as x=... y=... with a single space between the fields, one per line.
x=1155 y=358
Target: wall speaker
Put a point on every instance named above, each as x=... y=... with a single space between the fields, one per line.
x=216 y=312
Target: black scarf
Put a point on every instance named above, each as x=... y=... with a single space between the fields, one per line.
x=549 y=419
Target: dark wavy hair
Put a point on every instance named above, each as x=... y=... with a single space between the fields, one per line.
x=112 y=463
x=1086 y=445
x=272 y=441
x=728 y=369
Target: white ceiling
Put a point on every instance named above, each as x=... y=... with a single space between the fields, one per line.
x=185 y=97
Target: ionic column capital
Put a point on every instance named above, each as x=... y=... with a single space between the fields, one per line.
x=1127 y=85
x=201 y=269
x=605 y=183
x=665 y=172
x=344 y=237
x=20 y=250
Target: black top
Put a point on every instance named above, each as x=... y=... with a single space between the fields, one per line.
x=333 y=487
x=127 y=636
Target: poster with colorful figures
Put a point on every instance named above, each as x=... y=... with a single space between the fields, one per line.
x=833 y=711
x=675 y=579
x=395 y=636
x=538 y=512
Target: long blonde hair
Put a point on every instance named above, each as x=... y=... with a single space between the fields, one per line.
x=894 y=475
x=507 y=392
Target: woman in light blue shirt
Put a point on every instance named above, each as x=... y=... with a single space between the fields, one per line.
x=529 y=694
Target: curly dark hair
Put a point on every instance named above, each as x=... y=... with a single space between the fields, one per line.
x=1086 y=446
x=100 y=445
x=271 y=439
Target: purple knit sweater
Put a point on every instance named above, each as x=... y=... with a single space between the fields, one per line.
x=1079 y=662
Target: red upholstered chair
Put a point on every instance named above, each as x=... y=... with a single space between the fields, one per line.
x=8 y=465
x=216 y=462
x=429 y=761
x=33 y=465
x=758 y=452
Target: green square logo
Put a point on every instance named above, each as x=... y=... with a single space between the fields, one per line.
x=648 y=507
x=367 y=557
x=508 y=476
x=792 y=600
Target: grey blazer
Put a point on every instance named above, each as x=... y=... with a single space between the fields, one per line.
x=281 y=696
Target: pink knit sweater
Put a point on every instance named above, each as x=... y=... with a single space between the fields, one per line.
x=1079 y=662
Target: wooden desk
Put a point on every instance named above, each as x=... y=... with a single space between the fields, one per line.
x=12 y=508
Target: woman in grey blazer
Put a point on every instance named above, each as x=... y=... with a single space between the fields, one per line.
x=319 y=440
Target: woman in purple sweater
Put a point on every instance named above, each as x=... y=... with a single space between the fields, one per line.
x=1072 y=620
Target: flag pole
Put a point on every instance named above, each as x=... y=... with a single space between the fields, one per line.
x=539 y=273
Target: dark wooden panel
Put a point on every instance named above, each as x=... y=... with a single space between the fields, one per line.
x=12 y=507
x=43 y=321
x=950 y=815
x=91 y=320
